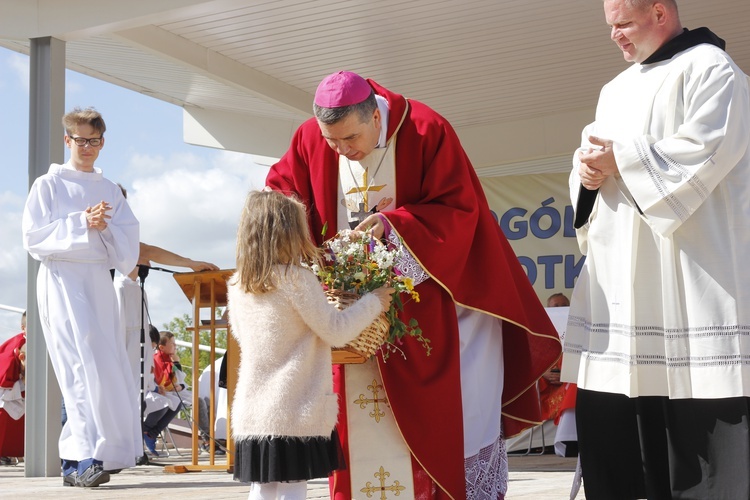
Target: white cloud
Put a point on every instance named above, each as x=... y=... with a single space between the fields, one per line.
x=19 y=66
x=73 y=88
x=192 y=212
x=13 y=263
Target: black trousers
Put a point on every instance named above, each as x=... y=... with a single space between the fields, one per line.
x=657 y=448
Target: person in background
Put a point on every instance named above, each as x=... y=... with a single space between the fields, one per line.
x=132 y=300
x=160 y=406
x=170 y=382
x=551 y=390
x=657 y=339
x=79 y=226
x=12 y=393
x=562 y=394
x=284 y=410
x=167 y=364
x=372 y=160
x=558 y=300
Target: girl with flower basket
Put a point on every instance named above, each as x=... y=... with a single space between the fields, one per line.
x=284 y=411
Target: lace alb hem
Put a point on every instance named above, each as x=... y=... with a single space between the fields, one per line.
x=487 y=472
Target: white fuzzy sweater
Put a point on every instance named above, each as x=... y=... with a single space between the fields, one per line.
x=285 y=387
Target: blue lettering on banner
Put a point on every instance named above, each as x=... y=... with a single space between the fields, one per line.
x=545 y=212
x=519 y=229
x=549 y=261
x=543 y=223
x=569 y=231
x=571 y=268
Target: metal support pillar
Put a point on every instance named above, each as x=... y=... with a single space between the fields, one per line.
x=43 y=400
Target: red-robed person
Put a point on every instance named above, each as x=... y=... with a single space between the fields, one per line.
x=12 y=393
x=422 y=426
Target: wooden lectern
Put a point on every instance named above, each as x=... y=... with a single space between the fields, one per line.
x=207 y=290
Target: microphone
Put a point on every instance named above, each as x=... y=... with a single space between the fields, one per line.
x=143 y=271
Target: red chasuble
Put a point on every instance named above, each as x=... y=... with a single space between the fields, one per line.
x=10 y=364
x=445 y=221
x=11 y=431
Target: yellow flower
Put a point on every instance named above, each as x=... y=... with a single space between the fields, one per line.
x=409 y=283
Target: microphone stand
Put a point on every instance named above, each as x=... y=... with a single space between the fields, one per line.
x=142 y=274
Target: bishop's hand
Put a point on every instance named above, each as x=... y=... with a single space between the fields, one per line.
x=373 y=225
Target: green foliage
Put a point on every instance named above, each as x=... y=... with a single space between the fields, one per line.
x=179 y=326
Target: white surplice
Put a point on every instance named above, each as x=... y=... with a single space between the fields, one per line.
x=79 y=312
x=662 y=305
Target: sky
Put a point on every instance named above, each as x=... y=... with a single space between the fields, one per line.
x=187 y=198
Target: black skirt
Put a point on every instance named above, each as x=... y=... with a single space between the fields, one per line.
x=267 y=460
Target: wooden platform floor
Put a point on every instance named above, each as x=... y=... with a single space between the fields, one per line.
x=545 y=477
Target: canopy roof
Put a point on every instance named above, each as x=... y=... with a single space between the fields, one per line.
x=517 y=78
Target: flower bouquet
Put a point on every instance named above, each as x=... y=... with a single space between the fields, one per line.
x=354 y=264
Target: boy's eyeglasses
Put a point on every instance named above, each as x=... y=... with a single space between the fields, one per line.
x=93 y=142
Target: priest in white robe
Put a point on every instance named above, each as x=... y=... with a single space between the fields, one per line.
x=658 y=336
x=78 y=224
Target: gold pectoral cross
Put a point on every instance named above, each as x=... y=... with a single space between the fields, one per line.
x=366 y=188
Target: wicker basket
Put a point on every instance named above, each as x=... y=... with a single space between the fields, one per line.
x=369 y=341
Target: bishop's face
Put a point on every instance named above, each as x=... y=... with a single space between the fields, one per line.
x=351 y=137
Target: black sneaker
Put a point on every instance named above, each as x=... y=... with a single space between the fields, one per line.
x=93 y=477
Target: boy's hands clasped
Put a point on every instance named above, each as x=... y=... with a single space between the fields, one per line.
x=97 y=216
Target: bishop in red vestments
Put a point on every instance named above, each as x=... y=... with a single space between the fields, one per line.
x=441 y=214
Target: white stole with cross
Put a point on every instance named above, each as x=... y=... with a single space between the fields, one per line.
x=379 y=460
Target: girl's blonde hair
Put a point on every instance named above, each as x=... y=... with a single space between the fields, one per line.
x=273 y=230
